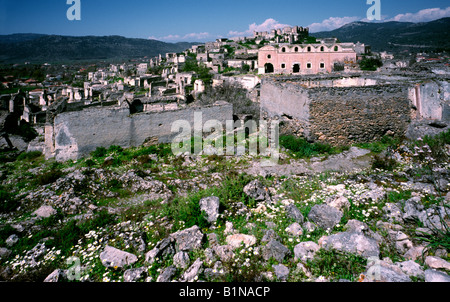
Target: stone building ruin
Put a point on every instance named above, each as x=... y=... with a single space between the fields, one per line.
x=360 y=108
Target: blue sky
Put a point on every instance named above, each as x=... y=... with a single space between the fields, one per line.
x=200 y=20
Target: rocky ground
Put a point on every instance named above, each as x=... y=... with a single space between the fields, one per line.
x=141 y=214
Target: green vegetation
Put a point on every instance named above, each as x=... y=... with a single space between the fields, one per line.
x=336 y=265
x=140 y=221
x=381 y=145
x=370 y=63
x=203 y=72
x=301 y=148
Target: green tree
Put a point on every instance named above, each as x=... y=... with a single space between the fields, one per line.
x=370 y=63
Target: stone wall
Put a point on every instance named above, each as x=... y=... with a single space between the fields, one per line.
x=359 y=110
x=358 y=114
x=73 y=135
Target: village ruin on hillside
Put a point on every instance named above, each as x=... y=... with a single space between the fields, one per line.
x=315 y=87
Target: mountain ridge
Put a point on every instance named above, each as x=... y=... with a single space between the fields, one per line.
x=395 y=36
x=41 y=48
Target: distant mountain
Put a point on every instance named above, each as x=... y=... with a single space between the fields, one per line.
x=53 y=48
x=395 y=36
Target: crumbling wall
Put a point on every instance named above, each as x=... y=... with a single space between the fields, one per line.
x=341 y=114
x=358 y=114
x=76 y=134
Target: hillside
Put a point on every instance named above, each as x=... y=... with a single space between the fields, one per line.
x=52 y=48
x=376 y=208
x=395 y=36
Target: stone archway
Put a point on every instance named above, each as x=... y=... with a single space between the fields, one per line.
x=268 y=68
x=296 y=68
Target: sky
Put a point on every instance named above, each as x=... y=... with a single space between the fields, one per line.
x=201 y=20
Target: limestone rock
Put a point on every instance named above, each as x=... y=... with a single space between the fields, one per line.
x=112 y=257
x=57 y=275
x=281 y=271
x=163 y=248
x=393 y=212
x=134 y=274
x=193 y=271
x=256 y=190
x=224 y=252
x=167 y=274
x=437 y=263
x=305 y=250
x=274 y=249
x=412 y=209
x=188 y=239
x=350 y=242
x=211 y=206
x=432 y=275
x=11 y=240
x=4 y=253
x=411 y=268
x=380 y=271
x=341 y=203
x=44 y=212
x=294 y=229
x=294 y=213
x=325 y=216
x=181 y=260
x=269 y=235
x=237 y=240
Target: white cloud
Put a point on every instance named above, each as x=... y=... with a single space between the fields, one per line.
x=332 y=23
x=424 y=15
x=188 y=37
x=267 y=25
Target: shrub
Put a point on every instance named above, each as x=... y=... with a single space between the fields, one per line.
x=29 y=155
x=48 y=177
x=301 y=148
x=370 y=64
x=188 y=210
x=337 y=265
x=7 y=202
x=100 y=152
x=384 y=162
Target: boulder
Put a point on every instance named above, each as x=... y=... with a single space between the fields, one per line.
x=112 y=257
x=134 y=274
x=269 y=235
x=381 y=271
x=192 y=272
x=256 y=190
x=58 y=275
x=11 y=240
x=437 y=263
x=305 y=250
x=224 y=252
x=163 y=248
x=412 y=209
x=281 y=271
x=44 y=212
x=411 y=268
x=325 y=216
x=4 y=253
x=432 y=275
x=351 y=242
x=393 y=212
x=188 y=239
x=274 y=249
x=211 y=207
x=181 y=260
x=339 y=202
x=294 y=229
x=294 y=213
x=237 y=240
x=167 y=274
